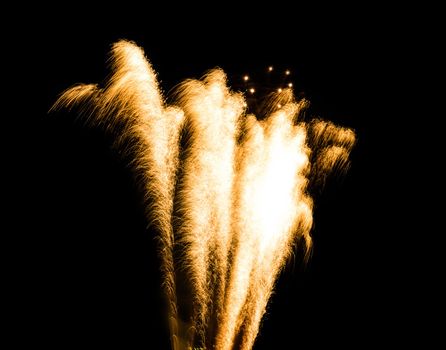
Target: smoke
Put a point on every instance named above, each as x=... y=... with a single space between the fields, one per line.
x=226 y=191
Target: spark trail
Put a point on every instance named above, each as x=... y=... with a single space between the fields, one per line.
x=227 y=192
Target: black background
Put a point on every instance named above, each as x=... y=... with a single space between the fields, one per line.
x=89 y=270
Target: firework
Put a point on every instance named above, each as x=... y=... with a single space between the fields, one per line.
x=226 y=191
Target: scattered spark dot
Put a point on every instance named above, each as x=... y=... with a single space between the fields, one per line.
x=279 y=90
x=252 y=90
x=270 y=68
x=279 y=106
x=246 y=78
x=290 y=85
x=287 y=72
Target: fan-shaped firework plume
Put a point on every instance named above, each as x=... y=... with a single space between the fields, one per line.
x=226 y=191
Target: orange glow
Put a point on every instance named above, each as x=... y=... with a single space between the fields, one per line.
x=238 y=204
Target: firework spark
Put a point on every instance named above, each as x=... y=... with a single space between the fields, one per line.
x=226 y=191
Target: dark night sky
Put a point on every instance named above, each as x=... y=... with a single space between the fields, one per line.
x=91 y=273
